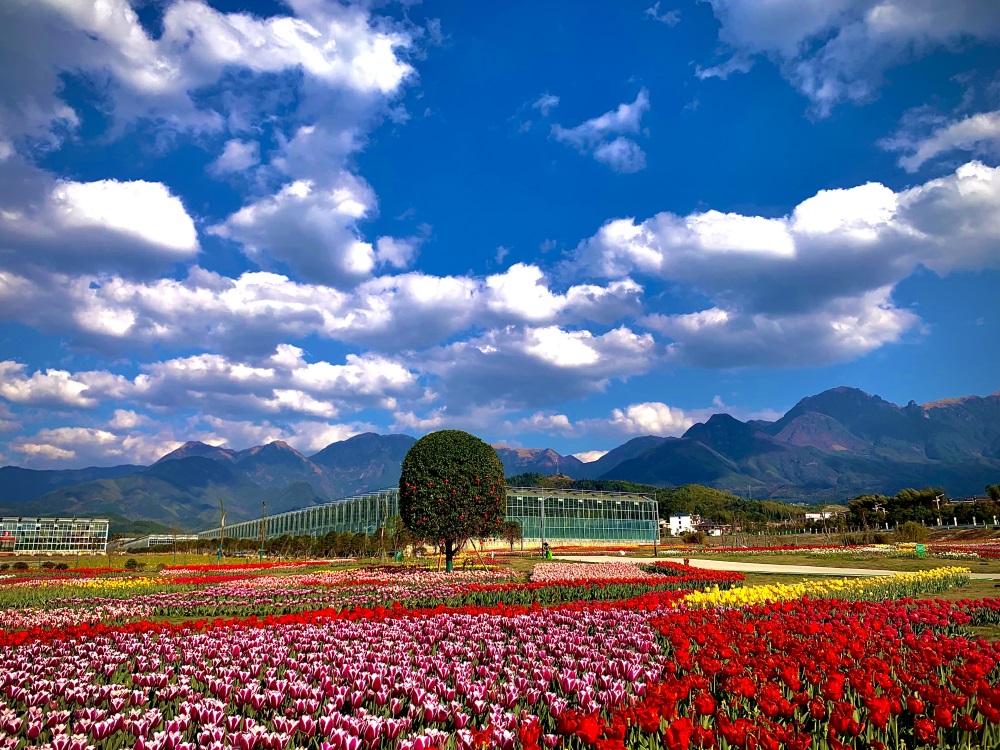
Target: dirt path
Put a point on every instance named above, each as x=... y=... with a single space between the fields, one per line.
x=750 y=567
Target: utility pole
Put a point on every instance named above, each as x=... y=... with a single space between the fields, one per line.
x=541 y=507
x=263 y=528
x=383 y=506
x=222 y=529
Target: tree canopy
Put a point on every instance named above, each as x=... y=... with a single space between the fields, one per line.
x=452 y=489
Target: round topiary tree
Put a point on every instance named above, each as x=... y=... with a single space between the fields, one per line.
x=451 y=489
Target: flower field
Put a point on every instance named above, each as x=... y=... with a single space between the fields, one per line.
x=607 y=656
x=982 y=550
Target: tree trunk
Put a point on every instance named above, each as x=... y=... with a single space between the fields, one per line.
x=449 y=555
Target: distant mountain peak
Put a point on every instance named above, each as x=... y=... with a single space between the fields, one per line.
x=190 y=444
x=718 y=424
x=847 y=389
x=721 y=418
x=278 y=445
x=851 y=393
x=197 y=448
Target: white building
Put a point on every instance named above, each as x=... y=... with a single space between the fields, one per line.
x=683 y=524
x=820 y=516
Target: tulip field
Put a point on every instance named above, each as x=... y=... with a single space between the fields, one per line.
x=979 y=550
x=634 y=654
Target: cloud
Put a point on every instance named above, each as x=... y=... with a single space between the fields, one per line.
x=333 y=46
x=256 y=311
x=844 y=329
x=977 y=134
x=58 y=388
x=546 y=103
x=625 y=118
x=540 y=422
x=124 y=419
x=650 y=418
x=838 y=50
x=818 y=279
x=211 y=71
x=590 y=456
x=669 y=17
x=79 y=444
x=622 y=155
x=534 y=366
x=237 y=156
x=722 y=71
x=282 y=384
x=91 y=226
x=311 y=228
x=397 y=252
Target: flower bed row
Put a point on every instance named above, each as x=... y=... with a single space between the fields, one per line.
x=895 y=586
x=986 y=550
x=289 y=594
x=811 y=674
x=611 y=674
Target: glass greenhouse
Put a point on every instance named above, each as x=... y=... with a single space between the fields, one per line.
x=544 y=514
x=59 y=536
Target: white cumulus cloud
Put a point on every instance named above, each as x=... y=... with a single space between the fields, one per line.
x=93 y=225
x=814 y=286
x=838 y=50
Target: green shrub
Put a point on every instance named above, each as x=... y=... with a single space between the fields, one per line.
x=20 y=565
x=694 y=537
x=132 y=564
x=911 y=531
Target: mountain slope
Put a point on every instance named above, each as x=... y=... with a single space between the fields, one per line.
x=278 y=465
x=631 y=449
x=363 y=463
x=820 y=431
x=182 y=492
x=678 y=461
x=19 y=485
x=839 y=443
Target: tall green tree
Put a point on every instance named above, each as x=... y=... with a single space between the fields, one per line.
x=511 y=533
x=451 y=489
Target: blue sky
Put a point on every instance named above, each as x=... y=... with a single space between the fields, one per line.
x=551 y=224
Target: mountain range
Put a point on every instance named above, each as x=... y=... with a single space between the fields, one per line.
x=831 y=446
